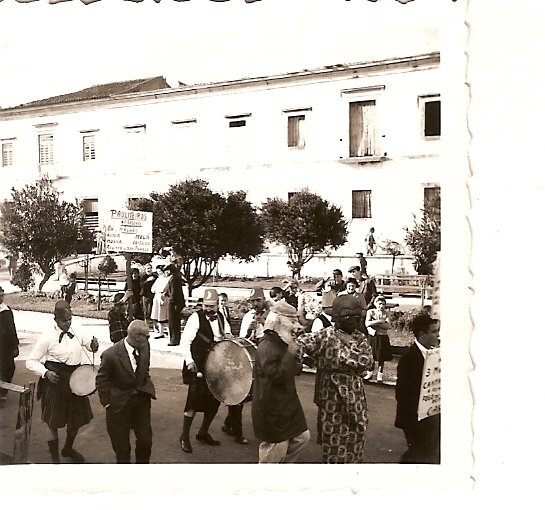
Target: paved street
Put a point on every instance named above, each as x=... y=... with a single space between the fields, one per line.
x=385 y=444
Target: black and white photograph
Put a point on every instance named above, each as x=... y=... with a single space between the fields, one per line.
x=235 y=232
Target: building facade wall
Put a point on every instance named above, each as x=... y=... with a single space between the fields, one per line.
x=187 y=134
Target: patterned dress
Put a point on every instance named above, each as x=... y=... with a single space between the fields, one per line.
x=342 y=360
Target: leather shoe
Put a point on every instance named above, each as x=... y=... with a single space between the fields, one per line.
x=207 y=439
x=227 y=430
x=77 y=457
x=241 y=440
x=186 y=445
x=172 y=345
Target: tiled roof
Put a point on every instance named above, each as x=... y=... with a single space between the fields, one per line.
x=104 y=91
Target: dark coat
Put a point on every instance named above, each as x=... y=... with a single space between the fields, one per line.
x=116 y=380
x=277 y=414
x=174 y=291
x=424 y=434
x=9 y=344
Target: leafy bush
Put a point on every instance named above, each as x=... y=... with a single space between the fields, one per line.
x=402 y=319
x=23 y=277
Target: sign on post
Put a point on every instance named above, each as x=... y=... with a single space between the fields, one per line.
x=430 y=387
x=129 y=231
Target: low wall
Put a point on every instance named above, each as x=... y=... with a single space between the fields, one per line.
x=270 y=265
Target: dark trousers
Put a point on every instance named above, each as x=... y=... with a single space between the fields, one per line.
x=147 y=303
x=174 y=323
x=135 y=415
x=423 y=447
x=6 y=375
x=233 y=421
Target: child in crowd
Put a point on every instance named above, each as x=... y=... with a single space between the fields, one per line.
x=377 y=322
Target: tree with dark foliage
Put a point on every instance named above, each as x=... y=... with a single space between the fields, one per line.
x=305 y=224
x=201 y=226
x=44 y=228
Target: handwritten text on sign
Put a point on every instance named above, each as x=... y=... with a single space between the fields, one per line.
x=430 y=387
x=129 y=231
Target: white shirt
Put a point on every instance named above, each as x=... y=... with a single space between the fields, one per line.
x=318 y=325
x=190 y=332
x=71 y=351
x=246 y=324
x=130 y=352
x=421 y=348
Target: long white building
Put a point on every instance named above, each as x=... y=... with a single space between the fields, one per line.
x=365 y=136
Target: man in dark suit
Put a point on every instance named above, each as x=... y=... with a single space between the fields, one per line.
x=423 y=437
x=125 y=389
x=176 y=303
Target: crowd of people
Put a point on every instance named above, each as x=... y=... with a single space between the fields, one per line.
x=345 y=341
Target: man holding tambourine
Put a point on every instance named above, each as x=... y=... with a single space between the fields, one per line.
x=56 y=355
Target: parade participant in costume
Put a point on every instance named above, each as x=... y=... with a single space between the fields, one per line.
x=343 y=356
x=125 y=389
x=253 y=320
x=146 y=282
x=423 y=437
x=378 y=323
x=202 y=329
x=118 y=321
x=63 y=347
x=277 y=415
x=9 y=345
x=176 y=303
x=252 y=327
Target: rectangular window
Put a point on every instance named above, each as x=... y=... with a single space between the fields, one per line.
x=237 y=123
x=184 y=140
x=45 y=143
x=89 y=152
x=7 y=154
x=363 y=138
x=296 y=136
x=135 y=142
x=432 y=118
x=361 y=204
x=430 y=114
x=90 y=213
x=432 y=198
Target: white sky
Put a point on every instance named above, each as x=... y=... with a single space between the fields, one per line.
x=47 y=50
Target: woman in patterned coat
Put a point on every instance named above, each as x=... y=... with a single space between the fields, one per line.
x=343 y=356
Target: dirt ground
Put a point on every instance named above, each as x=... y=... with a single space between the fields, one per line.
x=385 y=443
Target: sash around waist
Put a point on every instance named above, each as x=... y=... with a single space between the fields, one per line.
x=55 y=366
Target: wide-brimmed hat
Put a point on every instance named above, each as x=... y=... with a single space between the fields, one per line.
x=62 y=310
x=284 y=309
x=119 y=297
x=210 y=297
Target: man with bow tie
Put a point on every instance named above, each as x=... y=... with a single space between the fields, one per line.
x=63 y=348
x=202 y=330
x=125 y=390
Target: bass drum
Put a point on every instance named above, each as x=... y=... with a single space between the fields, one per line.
x=83 y=380
x=229 y=370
